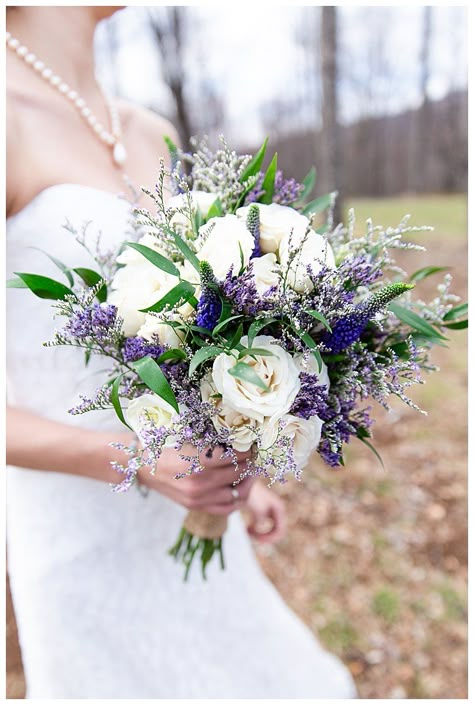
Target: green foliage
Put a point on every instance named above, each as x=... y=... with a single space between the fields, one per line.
x=182 y=292
x=150 y=373
x=386 y=604
x=44 y=287
x=243 y=371
x=268 y=184
x=155 y=258
x=338 y=635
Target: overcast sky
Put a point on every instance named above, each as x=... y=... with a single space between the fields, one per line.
x=252 y=60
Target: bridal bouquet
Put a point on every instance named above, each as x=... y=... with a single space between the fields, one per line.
x=241 y=318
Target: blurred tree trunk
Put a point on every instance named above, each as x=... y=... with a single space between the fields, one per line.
x=169 y=27
x=424 y=123
x=331 y=151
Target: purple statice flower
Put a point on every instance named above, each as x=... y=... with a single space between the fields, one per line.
x=286 y=191
x=359 y=270
x=209 y=306
x=242 y=292
x=96 y=321
x=135 y=348
x=312 y=398
x=253 y=226
x=256 y=192
x=349 y=329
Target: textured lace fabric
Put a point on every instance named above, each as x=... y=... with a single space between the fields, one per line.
x=102 y=610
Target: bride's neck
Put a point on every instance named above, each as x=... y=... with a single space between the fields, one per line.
x=46 y=31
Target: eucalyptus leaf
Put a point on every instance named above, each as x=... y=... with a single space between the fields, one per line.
x=374 y=451
x=150 y=373
x=115 y=399
x=186 y=251
x=173 y=354
x=319 y=205
x=308 y=183
x=415 y=321
x=155 y=258
x=309 y=342
x=182 y=292
x=456 y=312
x=243 y=371
x=44 y=287
x=426 y=272
x=268 y=185
x=224 y=323
x=253 y=167
x=216 y=210
x=255 y=351
x=319 y=317
x=202 y=355
x=457 y=325
x=236 y=338
x=257 y=326
x=92 y=278
x=16 y=283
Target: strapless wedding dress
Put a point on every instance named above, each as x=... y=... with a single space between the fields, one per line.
x=102 y=610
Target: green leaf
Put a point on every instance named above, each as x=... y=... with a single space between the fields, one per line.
x=91 y=278
x=242 y=260
x=319 y=317
x=268 y=184
x=374 y=451
x=255 y=351
x=44 y=287
x=182 y=292
x=155 y=258
x=202 y=355
x=114 y=398
x=308 y=183
x=216 y=210
x=226 y=309
x=319 y=205
x=186 y=251
x=257 y=326
x=426 y=272
x=16 y=284
x=150 y=373
x=253 y=167
x=60 y=265
x=457 y=325
x=414 y=321
x=223 y=324
x=456 y=312
x=309 y=342
x=243 y=371
x=173 y=354
x=236 y=337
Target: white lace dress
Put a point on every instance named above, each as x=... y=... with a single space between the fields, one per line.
x=101 y=608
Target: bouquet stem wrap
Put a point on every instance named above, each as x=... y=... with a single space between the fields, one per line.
x=201 y=533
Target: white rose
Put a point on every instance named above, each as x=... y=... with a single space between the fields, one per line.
x=136 y=286
x=221 y=248
x=307 y=363
x=276 y=222
x=305 y=434
x=265 y=272
x=241 y=426
x=153 y=328
x=200 y=200
x=278 y=371
x=315 y=251
x=149 y=408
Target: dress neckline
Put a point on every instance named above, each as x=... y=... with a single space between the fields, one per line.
x=117 y=196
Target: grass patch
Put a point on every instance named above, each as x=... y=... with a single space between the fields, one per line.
x=338 y=635
x=454 y=605
x=386 y=604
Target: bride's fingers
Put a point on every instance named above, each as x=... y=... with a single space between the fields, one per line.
x=227 y=494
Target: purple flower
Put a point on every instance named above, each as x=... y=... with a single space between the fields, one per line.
x=286 y=191
x=136 y=348
x=95 y=321
x=312 y=398
x=209 y=306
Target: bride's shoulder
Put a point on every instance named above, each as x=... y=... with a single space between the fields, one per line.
x=151 y=124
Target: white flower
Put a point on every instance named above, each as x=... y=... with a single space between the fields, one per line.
x=241 y=426
x=307 y=363
x=278 y=371
x=154 y=328
x=149 y=408
x=315 y=250
x=200 y=200
x=276 y=222
x=227 y=242
x=136 y=286
x=305 y=434
x=265 y=271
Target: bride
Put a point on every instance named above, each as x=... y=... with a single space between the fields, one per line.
x=102 y=611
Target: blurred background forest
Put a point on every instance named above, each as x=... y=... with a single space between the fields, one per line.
x=375 y=560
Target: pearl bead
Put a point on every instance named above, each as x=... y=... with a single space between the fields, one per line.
x=22 y=50
x=80 y=103
x=91 y=119
x=72 y=95
x=119 y=154
x=38 y=66
x=85 y=112
x=63 y=88
x=54 y=80
x=98 y=128
x=30 y=58
x=46 y=73
x=13 y=43
x=104 y=136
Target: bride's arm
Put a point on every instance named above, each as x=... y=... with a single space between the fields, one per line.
x=38 y=443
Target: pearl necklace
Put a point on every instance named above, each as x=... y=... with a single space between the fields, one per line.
x=111 y=139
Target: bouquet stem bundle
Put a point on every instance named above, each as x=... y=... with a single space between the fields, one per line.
x=201 y=534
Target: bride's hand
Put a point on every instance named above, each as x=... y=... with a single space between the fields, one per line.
x=265 y=507
x=209 y=491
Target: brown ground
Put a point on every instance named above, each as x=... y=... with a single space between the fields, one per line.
x=375 y=561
